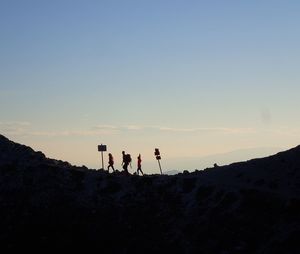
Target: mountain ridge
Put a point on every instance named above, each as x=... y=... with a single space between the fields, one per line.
x=245 y=207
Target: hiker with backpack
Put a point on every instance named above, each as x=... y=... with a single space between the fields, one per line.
x=139 y=165
x=110 y=162
x=126 y=162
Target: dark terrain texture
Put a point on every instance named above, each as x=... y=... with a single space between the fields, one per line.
x=247 y=207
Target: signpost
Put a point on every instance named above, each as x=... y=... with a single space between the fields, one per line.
x=157 y=155
x=102 y=148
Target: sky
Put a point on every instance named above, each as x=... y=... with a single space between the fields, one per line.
x=192 y=78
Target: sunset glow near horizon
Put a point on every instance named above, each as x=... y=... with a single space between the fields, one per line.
x=193 y=78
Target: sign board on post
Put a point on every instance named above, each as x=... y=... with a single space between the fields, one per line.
x=157 y=155
x=102 y=148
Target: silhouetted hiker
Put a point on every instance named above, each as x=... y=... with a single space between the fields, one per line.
x=110 y=162
x=123 y=158
x=139 y=165
x=126 y=162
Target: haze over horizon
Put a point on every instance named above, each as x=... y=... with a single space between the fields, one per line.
x=193 y=78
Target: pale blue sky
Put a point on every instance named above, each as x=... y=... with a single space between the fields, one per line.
x=193 y=77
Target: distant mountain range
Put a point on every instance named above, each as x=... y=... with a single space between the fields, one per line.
x=192 y=163
x=172 y=172
x=246 y=207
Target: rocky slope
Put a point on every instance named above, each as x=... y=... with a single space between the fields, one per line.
x=247 y=207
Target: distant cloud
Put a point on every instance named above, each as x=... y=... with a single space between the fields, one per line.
x=134 y=127
x=120 y=128
x=105 y=127
x=25 y=128
x=213 y=129
x=175 y=129
x=71 y=133
x=14 y=128
x=16 y=123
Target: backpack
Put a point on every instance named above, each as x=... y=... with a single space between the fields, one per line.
x=128 y=158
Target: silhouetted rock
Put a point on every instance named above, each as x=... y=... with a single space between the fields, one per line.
x=247 y=207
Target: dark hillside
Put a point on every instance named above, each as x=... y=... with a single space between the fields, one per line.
x=247 y=207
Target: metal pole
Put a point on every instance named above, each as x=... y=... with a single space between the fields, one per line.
x=102 y=160
x=159 y=167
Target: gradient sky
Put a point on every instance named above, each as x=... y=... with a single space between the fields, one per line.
x=194 y=78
